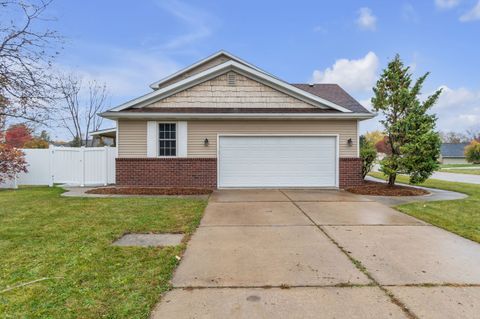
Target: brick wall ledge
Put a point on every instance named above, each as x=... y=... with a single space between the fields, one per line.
x=135 y=159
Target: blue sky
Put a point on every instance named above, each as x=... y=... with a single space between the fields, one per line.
x=130 y=44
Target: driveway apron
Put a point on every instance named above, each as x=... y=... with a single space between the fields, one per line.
x=319 y=254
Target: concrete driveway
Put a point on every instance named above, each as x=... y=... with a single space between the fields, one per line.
x=320 y=254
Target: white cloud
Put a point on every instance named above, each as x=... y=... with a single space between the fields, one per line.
x=446 y=4
x=198 y=22
x=319 y=29
x=473 y=14
x=458 y=109
x=353 y=75
x=455 y=97
x=409 y=13
x=127 y=73
x=366 y=20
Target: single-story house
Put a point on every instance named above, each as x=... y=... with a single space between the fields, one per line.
x=453 y=153
x=225 y=123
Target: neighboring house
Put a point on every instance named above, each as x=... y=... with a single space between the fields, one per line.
x=223 y=122
x=106 y=137
x=453 y=153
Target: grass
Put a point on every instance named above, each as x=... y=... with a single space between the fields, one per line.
x=462 y=171
x=458 y=216
x=67 y=240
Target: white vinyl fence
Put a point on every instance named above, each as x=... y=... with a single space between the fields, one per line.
x=68 y=165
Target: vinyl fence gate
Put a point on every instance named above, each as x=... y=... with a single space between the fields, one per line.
x=81 y=166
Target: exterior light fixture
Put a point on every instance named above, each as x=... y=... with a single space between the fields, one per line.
x=350 y=142
x=205 y=142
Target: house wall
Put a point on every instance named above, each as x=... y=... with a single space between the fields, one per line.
x=454 y=160
x=245 y=93
x=199 y=130
x=132 y=138
x=132 y=141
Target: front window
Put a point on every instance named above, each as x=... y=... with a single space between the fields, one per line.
x=167 y=139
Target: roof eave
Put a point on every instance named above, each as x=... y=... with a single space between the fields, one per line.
x=198 y=116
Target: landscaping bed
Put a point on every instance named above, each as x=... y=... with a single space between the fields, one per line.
x=383 y=189
x=149 y=191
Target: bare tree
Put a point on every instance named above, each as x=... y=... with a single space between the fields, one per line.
x=473 y=134
x=79 y=109
x=453 y=137
x=27 y=50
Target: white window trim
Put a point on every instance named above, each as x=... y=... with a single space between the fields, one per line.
x=153 y=139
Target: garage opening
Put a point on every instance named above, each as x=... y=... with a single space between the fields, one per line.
x=277 y=161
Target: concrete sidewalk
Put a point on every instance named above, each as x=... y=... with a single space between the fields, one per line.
x=454 y=177
x=320 y=253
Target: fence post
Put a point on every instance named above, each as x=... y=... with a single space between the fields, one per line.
x=105 y=150
x=82 y=160
x=51 y=154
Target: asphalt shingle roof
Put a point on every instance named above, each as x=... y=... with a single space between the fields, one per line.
x=333 y=93
x=453 y=149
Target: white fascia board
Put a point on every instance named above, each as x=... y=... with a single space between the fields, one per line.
x=156 y=84
x=108 y=130
x=223 y=68
x=194 y=116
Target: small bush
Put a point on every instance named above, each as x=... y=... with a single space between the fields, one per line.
x=368 y=154
x=472 y=152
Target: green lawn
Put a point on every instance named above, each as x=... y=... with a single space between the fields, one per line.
x=458 y=216
x=67 y=240
x=462 y=171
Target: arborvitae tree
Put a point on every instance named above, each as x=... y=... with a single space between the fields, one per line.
x=412 y=139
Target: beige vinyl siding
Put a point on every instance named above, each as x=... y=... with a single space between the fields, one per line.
x=199 y=130
x=245 y=93
x=132 y=138
x=200 y=68
x=133 y=134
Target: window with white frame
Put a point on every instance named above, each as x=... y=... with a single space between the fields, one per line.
x=167 y=139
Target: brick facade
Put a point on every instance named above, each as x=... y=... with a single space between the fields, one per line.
x=200 y=172
x=350 y=172
x=167 y=172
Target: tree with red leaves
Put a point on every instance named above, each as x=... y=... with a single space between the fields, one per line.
x=383 y=147
x=12 y=162
x=17 y=135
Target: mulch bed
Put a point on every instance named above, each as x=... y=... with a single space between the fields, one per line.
x=149 y=191
x=382 y=189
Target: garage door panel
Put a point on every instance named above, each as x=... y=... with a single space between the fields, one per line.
x=280 y=161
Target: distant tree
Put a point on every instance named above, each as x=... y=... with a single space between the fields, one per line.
x=12 y=162
x=79 y=115
x=453 y=137
x=412 y=140
x=473 y=135
x=368 y=154
x=382 y=146
x=44 y=136
x=27 y=50
x=41 y=140
x=374 y=136
x=472 y=152
x=17 y=135
x=36 y=143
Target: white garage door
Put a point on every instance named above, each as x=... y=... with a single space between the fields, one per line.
x=277 y=161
